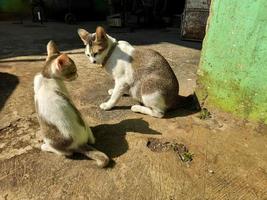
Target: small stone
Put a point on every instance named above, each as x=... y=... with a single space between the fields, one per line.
x=211 y=171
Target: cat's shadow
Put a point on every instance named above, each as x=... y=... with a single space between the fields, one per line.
x=8 y=83
x=190 y=106
x=111 y=137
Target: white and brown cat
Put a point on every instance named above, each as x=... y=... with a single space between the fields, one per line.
x=62 y=125
x=144 y=74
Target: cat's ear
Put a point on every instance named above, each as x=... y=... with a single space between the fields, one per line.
x=52 y=49
x=84 y=35
x=100 y=34
x=62 y=61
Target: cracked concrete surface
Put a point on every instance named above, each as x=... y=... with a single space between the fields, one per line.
x=230 y=157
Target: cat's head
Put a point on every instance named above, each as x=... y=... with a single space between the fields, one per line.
x=95 y=44
x=59 y=65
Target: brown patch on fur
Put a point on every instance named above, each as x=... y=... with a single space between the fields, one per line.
x=98 y=47
x=99 y=43
x=153 y=73
x=67 y=66
x=63 y=60
x=100 y=34
x=57 y=140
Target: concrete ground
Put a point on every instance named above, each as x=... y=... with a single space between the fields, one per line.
x=229 y=155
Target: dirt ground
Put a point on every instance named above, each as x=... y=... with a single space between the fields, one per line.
x=229 y=155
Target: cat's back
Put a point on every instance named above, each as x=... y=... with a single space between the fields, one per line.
x=147 y=57
x=146 y=62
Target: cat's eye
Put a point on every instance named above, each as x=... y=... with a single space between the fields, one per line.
x=94 y=54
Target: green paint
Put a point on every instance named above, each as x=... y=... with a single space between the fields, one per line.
x=233 y=66
x=14 y=5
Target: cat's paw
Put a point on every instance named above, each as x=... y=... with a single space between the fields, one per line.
x=110 y=91
x=105 y=106
x=45 y=147
x=136 y=108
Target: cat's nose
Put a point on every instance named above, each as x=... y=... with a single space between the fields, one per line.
x=94 y=61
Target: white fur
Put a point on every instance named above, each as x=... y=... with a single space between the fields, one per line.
x=55 y=110
x=37 y=82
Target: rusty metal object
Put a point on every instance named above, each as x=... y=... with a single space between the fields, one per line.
x=194 y=19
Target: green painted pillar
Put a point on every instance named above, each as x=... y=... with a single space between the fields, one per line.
x=233 y=66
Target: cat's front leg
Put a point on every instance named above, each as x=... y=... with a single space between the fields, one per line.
x=117 y=92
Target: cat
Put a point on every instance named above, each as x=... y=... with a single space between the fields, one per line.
x=144 y=74
x=62 y=125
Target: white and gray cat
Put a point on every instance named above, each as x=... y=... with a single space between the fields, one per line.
x=144 y=74
x=62 y=125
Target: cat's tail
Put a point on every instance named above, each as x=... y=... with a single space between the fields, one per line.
x=101 y=158
x=189 y=102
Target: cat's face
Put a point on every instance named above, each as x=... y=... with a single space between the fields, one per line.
x=95 y=44
x=59 y=65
